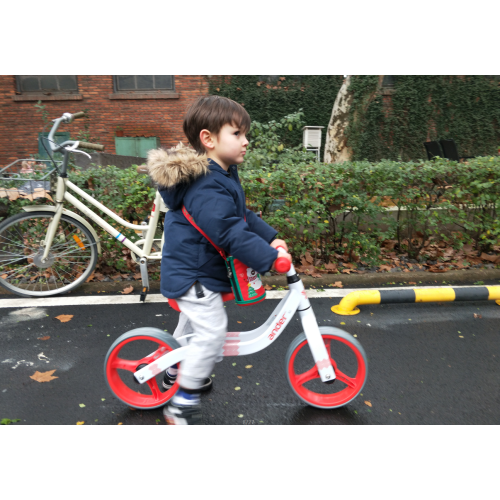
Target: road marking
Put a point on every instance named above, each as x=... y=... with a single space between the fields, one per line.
x=97 y=300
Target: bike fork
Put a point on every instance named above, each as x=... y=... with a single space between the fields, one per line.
x=143 y=264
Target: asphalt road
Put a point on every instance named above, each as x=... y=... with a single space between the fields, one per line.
x=431 y=363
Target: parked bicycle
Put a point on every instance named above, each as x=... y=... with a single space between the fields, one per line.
x=325 y=366
x=49 y=250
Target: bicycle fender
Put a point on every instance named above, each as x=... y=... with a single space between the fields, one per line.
x=69 y=213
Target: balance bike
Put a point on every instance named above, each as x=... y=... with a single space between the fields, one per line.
x=325 y=366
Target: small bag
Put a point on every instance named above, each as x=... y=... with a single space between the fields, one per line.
x=245 y=281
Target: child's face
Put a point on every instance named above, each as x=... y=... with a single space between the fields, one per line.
x=229 y=147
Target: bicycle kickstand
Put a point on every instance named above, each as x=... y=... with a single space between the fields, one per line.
x=143 y=264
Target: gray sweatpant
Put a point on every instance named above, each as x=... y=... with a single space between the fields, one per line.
x=207 y=320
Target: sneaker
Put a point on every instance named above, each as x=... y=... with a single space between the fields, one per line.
x=169 y=381
x=175 y=414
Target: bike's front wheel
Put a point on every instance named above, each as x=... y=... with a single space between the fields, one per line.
x=71 y=259
x=129 y=353
x=349 y=362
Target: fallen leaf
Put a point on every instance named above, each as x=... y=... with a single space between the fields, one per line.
x=342 y=323
x=491 y=258
x=80 y=423
x=237 y=388
x=368 y=403
x=90 y=278
x=137 y=276
x=241 y=415
x=248 y=366
x=47 y=337
x=128 y=290
x=234 y=364
x=317 y=275
x=309 y=258
x=338 y=284
x=384 y=268
x=412 y=282
x=238 y=322
x=120 y=423
x=239 y=376
x=267 y=287
x=43 y=376
x=81 y=405
x=64 y=318
x=477 y=315
x=4 y=276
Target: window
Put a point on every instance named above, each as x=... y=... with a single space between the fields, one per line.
x=144 y=83
x=47 y=83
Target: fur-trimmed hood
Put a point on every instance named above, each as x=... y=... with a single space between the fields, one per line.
x=178 y=165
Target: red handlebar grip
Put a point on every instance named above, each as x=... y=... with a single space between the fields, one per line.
x=282 y=265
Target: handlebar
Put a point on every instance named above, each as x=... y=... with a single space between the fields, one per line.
x=282 y=264
x=89 y=145
x=75 y=116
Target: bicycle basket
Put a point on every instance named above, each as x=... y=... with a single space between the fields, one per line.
x=27 y=180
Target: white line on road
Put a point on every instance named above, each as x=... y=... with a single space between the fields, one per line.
x=99 y=300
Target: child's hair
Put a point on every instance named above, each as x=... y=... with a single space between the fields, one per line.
x=212 y=113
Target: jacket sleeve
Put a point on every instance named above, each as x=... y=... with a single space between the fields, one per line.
x=217 y=218
x=258 y=226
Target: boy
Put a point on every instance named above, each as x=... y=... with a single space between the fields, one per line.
x=206 y=182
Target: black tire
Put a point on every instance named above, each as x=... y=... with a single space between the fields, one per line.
x=72 y=257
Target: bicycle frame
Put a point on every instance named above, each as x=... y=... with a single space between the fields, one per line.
x=241 y=343
x=147 y=230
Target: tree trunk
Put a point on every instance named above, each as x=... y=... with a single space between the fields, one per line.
x=336 y=149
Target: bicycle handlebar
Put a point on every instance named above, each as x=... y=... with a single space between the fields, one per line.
x=80 y=114
x=282 y=264
x=89 y=145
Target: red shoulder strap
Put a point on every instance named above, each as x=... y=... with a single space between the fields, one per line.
x=191 y=220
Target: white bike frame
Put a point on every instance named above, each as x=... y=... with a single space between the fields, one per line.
x=148 y=230
x=241 y=343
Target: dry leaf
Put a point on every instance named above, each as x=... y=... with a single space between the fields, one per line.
x=4 y=276
x=412 y=282
x=384 y=268
x=47 y=337
x=137 y=276
x=338 y=284
x=43 y=376
x=316 y=275
x=309 y=258
x=368 y=403
x=477 y=315
x=267 y=287
x=239 y=376
x=248 y=366
x=238 y=322
x=128 y=290
x=346 y=271
x=491 y=258
x=64 y=318
x=80 y=423
x=90 y=278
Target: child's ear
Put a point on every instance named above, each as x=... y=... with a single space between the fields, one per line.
x=206 y=139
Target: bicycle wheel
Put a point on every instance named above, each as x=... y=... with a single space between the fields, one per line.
x=71 y=260
x=349 y=362
x=130 y=352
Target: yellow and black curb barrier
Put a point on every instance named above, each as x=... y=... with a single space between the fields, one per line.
x=348 y=305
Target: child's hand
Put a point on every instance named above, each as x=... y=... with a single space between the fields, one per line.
x=279 y=243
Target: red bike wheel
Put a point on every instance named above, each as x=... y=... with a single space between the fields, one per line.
x=130 y=352
x=349 y=362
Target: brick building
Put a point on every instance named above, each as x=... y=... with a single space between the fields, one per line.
x=132 y=106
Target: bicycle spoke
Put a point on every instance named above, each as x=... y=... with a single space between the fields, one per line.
x=350 y=382
x=155 y=390
x=125 y=364
x=307 y=376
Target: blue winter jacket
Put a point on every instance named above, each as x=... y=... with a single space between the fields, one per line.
x=216 y=201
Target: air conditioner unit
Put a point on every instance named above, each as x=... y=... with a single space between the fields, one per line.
x=311 y=138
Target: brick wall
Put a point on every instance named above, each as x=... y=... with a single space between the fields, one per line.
x=20 y=123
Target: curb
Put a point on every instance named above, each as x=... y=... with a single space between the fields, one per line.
x=369 y=280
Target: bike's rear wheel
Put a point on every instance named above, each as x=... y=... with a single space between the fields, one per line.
x=71 y=260
x=349 y=362
x=130 y=352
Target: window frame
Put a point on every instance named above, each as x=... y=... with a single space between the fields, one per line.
x=45 y=91
x=116 y=90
